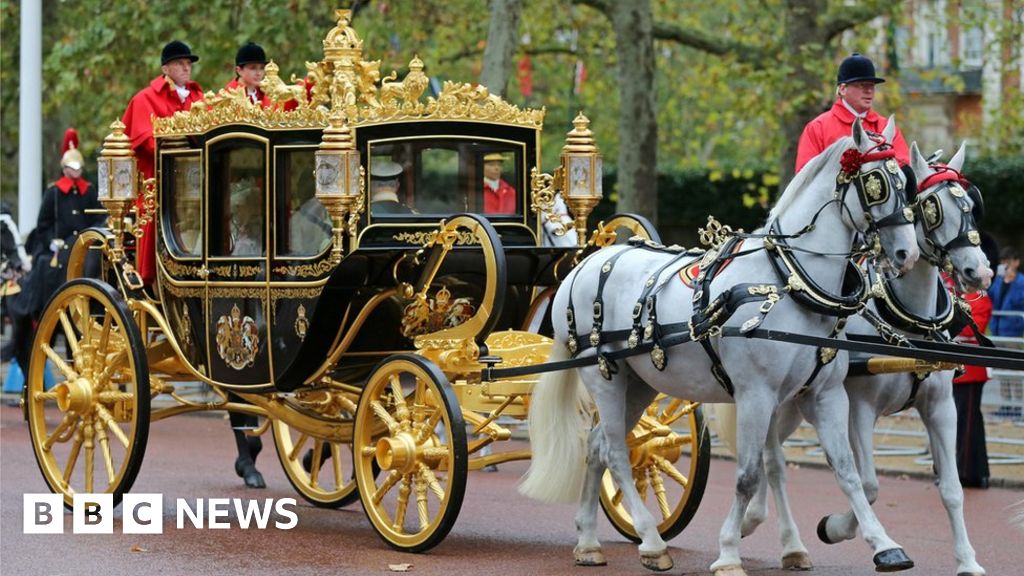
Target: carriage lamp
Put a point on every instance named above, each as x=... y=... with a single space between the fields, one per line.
x=581 y=169
x=117 y=180
x=339 y=179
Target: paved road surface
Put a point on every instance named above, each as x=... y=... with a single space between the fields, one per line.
x=498 y=532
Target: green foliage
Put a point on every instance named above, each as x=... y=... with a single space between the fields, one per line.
x=999 y=179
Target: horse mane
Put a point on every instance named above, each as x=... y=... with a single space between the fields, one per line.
x=809 y=173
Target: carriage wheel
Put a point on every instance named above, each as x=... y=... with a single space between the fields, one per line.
x=409 y=423
x=89 y=431
x=670 y=450
x=322 y=471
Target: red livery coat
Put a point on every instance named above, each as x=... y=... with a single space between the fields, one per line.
x=500 y=201
x=837 y=122
x=159 y=99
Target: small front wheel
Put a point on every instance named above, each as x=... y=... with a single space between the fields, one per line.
x=670 y=449
x=410 y=427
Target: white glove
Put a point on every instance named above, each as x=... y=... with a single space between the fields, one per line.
x=55 y=245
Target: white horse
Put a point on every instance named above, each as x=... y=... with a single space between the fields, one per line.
x=848 y=189
x=947 y=236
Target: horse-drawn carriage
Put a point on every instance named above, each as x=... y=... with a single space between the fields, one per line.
x=369 y=340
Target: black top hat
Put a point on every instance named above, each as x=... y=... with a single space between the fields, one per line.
x=176 y=49
x=857 y=68
x=250 y=53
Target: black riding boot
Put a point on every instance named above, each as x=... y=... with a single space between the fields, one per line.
x=249 y=448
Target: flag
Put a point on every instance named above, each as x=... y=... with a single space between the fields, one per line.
x=579 y=78
x=525 y=76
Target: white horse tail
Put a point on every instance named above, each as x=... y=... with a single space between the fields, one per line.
x=560 y=420
x=721 y=419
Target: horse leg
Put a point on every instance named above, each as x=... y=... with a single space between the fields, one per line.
x=783 y=423
x=248 y=447
x=939 y=417
x=830 y=418
x=588 y=548
x=755 y=412
x=617 y=402
x=863 y=416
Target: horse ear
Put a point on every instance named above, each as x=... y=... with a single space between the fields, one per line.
x=860 y=138
x=918 y=163
x=957 y=161
x=889 y=132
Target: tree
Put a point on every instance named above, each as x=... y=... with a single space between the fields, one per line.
x=502 y=38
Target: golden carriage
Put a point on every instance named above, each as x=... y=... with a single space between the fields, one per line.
x=363 y=338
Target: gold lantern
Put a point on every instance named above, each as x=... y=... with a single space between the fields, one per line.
x=118 y=184
x=581 y=170
x=339 y=179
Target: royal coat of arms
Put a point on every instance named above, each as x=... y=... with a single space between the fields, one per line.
x=238 y=339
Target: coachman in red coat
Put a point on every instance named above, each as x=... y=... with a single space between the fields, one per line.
x=168 y=93
x=856 y=89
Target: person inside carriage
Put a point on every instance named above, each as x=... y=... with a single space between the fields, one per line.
x=384 y=188
x=499 y=195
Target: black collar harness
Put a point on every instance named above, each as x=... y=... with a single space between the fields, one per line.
x=646 y=334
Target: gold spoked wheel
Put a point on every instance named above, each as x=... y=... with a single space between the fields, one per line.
x=89 y=431
x=670 y=450
x=409 y=423
x=321 y=470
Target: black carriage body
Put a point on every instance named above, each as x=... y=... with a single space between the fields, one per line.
x=244 y=252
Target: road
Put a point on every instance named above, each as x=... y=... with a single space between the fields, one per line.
x=498 y=532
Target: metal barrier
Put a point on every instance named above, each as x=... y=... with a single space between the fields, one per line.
x=1004 y=393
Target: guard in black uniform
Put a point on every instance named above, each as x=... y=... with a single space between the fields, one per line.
x=62 y=217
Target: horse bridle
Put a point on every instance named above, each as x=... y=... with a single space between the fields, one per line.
x=928 y=207
x=874 y=188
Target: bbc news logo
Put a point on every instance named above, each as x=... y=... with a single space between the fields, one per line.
x=144 y=514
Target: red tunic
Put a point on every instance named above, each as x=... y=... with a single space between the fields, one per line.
x=159 y=99
x=500 y=201
x=981 y=311
x=832 y=125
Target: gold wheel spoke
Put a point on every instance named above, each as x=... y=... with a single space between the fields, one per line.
x=90 y=446
x=107 y=418
x=401 y=504
x=108 y=462
x=69 y=467
x=393 y=477
x=431 y=481
x=383 y=414
x=39 y=396
x=617 y=497
x=641 y=483
x=314 y=468
x=101 y=348
x=58 y=432
x=421 y=505
x=297 y=447
x=670 y=470
x=339 y=482
x=68 y=372
x=428 y=426
x=396 y=389
x=113 y=361
x=69 y=332
x=659 y=491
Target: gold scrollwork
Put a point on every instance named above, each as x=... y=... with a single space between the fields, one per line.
x=827 y=354
x=184 y=291
x=178 y=269
x=424 y=238
x=715 y=233
x=237 y=292
x=873 y=187
x=301 y=323
x=306 y=270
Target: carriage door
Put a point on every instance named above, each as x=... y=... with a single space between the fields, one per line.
x=236 y=260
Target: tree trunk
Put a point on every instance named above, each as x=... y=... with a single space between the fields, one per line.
x=638 y=122
x=805 y=43
x=502 y=38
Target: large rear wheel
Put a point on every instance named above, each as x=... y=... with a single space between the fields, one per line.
x=89 y=431
x=670 y=450
x=409 y=424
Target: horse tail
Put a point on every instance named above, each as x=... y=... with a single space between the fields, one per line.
x=721 y=419
x=559 y=422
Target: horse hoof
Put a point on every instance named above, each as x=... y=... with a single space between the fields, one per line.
x=892 y=560
x=823 y=531
x=657 y=561
x=589 y=557
x=731 y=570
x=246 y=470
x=981 y=573
x=797 y=561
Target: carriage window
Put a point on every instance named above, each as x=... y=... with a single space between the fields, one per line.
x=185 y=226
x=238 y=202
x=445 y=176
x=303 y=227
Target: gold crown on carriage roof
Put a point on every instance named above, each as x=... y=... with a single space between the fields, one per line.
x=343 y=80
